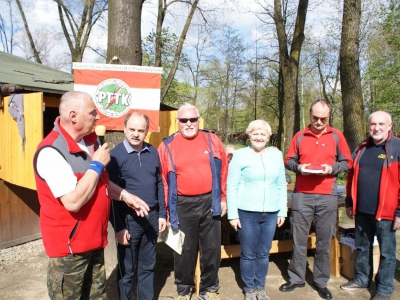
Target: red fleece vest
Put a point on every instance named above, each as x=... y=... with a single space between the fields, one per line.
x=65 y=232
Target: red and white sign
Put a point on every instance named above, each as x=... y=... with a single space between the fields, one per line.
x=119 y=89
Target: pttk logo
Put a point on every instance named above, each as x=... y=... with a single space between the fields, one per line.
x=113 y=98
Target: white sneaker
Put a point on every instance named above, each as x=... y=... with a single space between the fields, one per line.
x=261 y=295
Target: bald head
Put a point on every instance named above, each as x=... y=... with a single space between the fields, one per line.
x=78 y=114
x=73 y=101
x=380 y=123
x=382 y=114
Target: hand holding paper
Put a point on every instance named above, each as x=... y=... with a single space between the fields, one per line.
x=174 y=238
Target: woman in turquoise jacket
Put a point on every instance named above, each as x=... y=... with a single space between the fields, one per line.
x=257 y=203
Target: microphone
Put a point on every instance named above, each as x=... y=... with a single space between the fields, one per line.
x=101 y=132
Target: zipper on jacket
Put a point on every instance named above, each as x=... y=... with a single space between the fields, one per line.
x=71 y=235
x=262 y=162
x=106 y=187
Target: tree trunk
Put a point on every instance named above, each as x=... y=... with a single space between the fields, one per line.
x=178 y=52
x=124 y=32
x=158 y=41
x=290 y=65
x=77 y=29
x=323 y=81
x=352 y=102
x=281 y=96
x=28 y=33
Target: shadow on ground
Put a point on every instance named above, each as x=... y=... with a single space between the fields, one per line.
x=163 y=271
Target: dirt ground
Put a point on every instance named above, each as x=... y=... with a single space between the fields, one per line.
x=26 y=279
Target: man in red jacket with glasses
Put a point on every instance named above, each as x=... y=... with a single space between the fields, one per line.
x=194 y=171
x=317 y=154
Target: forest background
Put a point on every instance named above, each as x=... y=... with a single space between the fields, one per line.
x=237 y=60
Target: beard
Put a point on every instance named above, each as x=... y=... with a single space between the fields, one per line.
x=190 y=133
x=379 y=136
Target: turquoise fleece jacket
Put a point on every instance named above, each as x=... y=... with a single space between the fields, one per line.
x=256 y=182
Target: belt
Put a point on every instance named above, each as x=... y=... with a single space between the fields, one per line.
x=200 y=195
x=131 y=211
x=153 y=207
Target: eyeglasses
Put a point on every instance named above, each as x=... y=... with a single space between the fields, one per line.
x=185 y=120
x=323 y=120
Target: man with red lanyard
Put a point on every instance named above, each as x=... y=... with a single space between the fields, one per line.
x=317 y=154
x=194 y=170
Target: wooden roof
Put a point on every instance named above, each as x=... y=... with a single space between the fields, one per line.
x=32 y=76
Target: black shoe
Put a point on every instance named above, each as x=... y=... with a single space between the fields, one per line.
x=288 y=286
x=323 y=292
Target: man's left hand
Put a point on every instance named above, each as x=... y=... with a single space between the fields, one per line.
x=223 y=209
x=162 y=224
x=396 y=223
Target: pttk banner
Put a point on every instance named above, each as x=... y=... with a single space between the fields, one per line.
x=119 y=89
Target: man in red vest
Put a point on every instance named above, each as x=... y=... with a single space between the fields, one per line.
x=74 y=195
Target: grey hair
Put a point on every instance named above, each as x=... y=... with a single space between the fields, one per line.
x=187 y=106
x=259 y=124
x=323 y=103
x=381 y=111
x=72 y=101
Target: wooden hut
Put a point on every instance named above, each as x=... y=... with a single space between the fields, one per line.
x=41 y=87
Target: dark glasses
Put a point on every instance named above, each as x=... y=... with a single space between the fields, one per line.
x=185 y=120
x=323 y=120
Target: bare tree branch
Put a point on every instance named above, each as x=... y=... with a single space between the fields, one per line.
x=28 y=33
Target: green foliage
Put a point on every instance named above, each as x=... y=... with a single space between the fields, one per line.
x=179 y=92
x=169 y=43
x=238 y=145
x=342 y=178
x=383 y=75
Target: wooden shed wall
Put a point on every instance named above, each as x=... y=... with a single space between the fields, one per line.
x=19 y=215
x=15 y=160
x=168 y=126
x=19 y=205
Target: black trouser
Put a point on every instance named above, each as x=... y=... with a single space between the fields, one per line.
x=201 y=230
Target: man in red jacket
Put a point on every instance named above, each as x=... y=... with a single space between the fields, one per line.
x=194 y=171
x=317 y=154
x=373 y=198
x=74 y=195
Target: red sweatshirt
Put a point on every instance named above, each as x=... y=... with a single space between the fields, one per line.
x=330 y=148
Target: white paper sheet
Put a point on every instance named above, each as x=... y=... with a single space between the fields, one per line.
x=174 y=238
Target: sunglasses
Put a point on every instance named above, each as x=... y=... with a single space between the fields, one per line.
x=323 y=120
x=185 y=120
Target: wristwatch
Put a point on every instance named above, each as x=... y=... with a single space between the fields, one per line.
x=122 y=196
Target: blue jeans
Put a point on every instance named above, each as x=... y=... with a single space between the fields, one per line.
x=256 y=234
x=366 y=227
x=140 y=252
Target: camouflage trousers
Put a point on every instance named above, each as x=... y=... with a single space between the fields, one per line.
x=79 y=276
